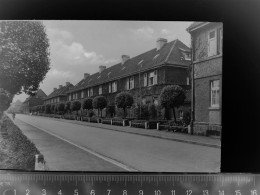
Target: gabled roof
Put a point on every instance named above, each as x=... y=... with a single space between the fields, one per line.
x=169 y=54
x=39 y=93
x=59 y=92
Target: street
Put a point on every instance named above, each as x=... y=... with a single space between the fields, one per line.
x=142 y=153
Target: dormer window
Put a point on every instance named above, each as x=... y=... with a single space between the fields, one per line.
x=186 y=56
x=156 y=56
x=140 y=62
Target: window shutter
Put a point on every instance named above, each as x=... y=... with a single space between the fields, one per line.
x=115 y=86
x=127 y=83
x=155 y=77
x=145 y=79
x=109 y=87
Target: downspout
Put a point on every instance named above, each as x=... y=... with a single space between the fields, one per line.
x=192 y=88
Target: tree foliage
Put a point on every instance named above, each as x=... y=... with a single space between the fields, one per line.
x=172 y=96
x=124 y=100
x=48 y=109
x=67 y=107
x=75 y=106
x=87 y=104
x=5 y=100
x=99 y=102
x=24 y=56
x=53 y=108
x=61 y=107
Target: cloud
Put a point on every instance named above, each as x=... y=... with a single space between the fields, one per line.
x=60 y=74
x=146 y=32
x=66 y=51
x=168 y=34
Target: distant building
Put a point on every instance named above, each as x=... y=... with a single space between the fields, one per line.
x=58 y=95
x=207 y=50
x=33 y=101
x=144 y=76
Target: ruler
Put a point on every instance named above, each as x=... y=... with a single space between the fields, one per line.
x=58 y=183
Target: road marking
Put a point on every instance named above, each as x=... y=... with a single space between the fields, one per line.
x=112 y=161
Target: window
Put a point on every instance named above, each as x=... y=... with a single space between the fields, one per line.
x=100 y=90
x=152 y=78
x=132 y=82
x=220 y=40
x=181 y=114
x=145 y=79
x=188 y=81
x=91 y=91
x=214 y=85
x=82 y=94
x=88 y=92
x=109 y=87
x=212 y=43
x=127 y=84
x=76 y=95
x=114 y=86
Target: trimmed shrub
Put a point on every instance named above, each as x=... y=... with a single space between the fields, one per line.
x=87 y=104
x=124 y=100
x=75 y=106
x=48 y=109
x=99 y=102
x=172 y=96
x=111 y=110
x=67 y=107
x=152 y=111
x=61 y=108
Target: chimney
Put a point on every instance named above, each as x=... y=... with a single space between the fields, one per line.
x=60 y=86
x=54 y=88
x=160 y=43
x=67 y=83
x=86 y=75
x=124 y=58
x=101 y=68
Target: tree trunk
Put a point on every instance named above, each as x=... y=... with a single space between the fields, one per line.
x=124 y=113
x=98 y=112
x=173 y=109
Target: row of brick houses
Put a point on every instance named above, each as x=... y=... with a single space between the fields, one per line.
x=198 y=70
x=207 y=50
x=32 y=101
x=143 y=76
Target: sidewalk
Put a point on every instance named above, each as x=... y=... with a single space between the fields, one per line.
x=186 y=138
x=60 y=155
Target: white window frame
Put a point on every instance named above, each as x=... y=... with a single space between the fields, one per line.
x=76 y=95
x=155 y=77
x=145 y=79
x=151 y=78
x=127 y=83
x=91 y=91
x=214 y=94
x=221 y=40
x=109 y=87
x=100 y=89
x=88 y=92
x=212 y=39
x=131 y=82
x=188 y=81
x=82 y=94
x=114 y=86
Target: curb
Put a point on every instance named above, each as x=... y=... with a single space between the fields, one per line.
x=155 y=136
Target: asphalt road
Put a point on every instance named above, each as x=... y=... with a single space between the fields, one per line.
x=138 y=152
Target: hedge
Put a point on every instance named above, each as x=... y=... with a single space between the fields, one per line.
x=19 y=152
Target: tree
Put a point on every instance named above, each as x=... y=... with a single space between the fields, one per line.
x=152 y=111
x=172 y=96
x=5 y=100
x=87 y=104
x=111 y=110
x=124 y=100
x=75 y=106
x=53 y=109
x=61 y=108
x=67 y=107
x=24 y=56
x=99 y=102
x=48 y=109
x=43 y=108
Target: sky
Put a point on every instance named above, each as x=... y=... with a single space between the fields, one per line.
x=78 y=47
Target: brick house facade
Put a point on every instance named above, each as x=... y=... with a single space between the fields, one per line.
x=207 y=44
x=144 y=76
x=32 y=101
